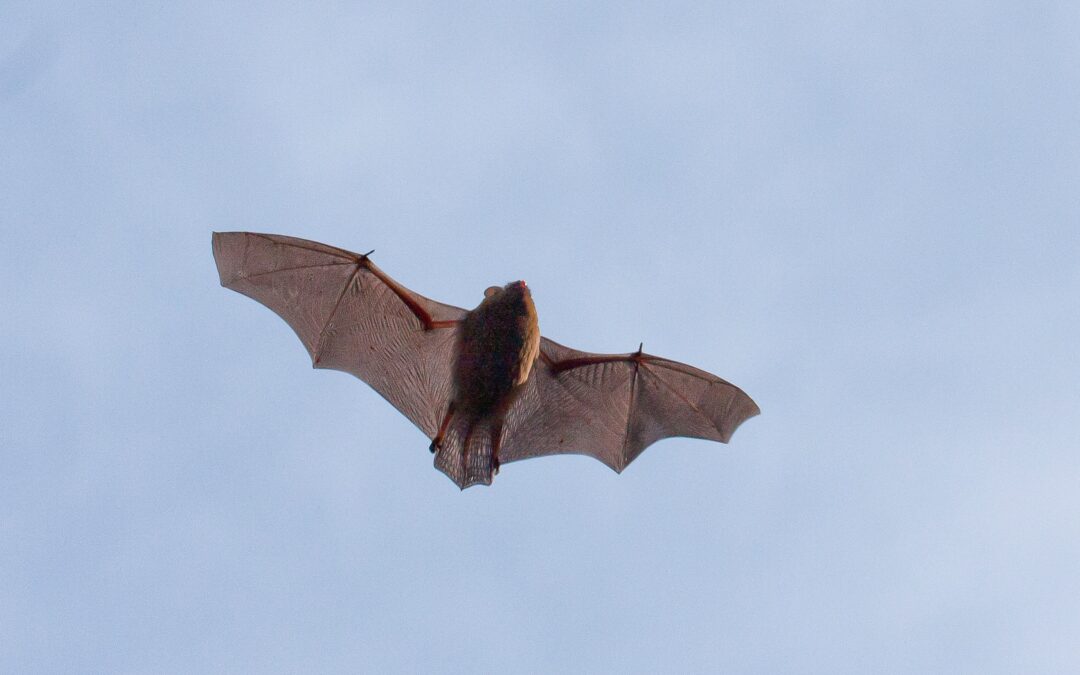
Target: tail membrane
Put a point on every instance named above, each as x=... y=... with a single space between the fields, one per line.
x=466 y=453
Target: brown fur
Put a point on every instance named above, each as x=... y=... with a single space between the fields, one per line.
x=497 y=344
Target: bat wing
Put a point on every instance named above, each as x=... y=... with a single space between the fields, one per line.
x=351 y=316
x=613 y=406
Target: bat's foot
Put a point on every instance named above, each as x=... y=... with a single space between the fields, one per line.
x=434 y=447
x=495 y=464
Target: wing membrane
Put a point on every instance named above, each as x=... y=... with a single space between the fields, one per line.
x=349 y=317
x=613 y=406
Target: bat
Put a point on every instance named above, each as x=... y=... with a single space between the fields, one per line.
x=483 y=385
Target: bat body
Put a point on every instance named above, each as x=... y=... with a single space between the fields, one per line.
x=482 y=384
x=497 y=344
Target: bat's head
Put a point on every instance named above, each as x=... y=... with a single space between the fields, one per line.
x=515 y=288
x=513 y=299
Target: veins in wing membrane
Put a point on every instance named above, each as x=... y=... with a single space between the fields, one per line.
x=330 y=318
x=299 y=243
x=639 y=360
x=405 y=296
x=687 y=401
x=298 y=267
x=361 y=262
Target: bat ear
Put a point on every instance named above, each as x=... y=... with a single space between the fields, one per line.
x=491 y=290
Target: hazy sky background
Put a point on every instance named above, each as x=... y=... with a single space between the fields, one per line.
x=865 y=214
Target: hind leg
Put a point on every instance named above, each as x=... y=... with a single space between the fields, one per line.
x=436 y=443
x=496 y=440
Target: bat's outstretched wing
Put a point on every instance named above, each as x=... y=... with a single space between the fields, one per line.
x=350 y=316
x=613 y=406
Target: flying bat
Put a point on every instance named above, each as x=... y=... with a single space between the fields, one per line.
x=483 y=385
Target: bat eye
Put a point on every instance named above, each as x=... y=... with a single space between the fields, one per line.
x=492 y=290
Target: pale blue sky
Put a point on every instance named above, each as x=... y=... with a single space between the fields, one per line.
x=865 y=214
